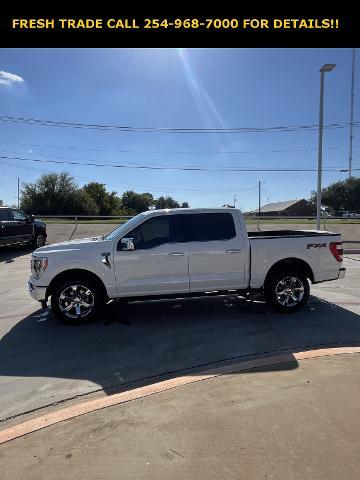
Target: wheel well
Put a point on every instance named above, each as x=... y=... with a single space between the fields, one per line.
x=39 y=230
x=63 y=276
x=296 y=263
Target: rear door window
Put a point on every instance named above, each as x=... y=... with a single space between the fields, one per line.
x=206 y=227
x=4 y=215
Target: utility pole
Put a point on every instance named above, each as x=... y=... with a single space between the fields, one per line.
x=352 y=113
x=18 y=192
x=328 y=67
x=259 y=198
x=259 y=209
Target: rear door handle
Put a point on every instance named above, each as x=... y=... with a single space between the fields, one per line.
x=176 y=254
x=233 y=251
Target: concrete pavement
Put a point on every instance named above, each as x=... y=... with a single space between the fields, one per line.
x=285 y=423
x=43 y=362
x=298 y=419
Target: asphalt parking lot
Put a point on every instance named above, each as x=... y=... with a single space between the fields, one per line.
x=45 y=365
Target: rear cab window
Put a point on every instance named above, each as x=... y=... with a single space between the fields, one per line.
x=207 y=227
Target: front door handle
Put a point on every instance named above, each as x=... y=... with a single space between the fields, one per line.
x=176 y=254
x=234 y=251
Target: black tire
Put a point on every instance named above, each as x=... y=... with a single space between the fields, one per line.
x=39 y=240
x=287 y=291
x=79 y=292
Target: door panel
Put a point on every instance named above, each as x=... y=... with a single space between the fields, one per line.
x=5 y=233
x=21 y=228
x=216 y=265
x=5 y=228
x=152 y=272
x=159 y=263
x=216 y=252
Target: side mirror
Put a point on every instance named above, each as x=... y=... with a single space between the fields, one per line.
x=31 y=218
x=127 y=244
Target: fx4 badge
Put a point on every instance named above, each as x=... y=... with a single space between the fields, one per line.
x=316 y=245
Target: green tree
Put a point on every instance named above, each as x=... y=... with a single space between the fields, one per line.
x=344 y=195
x=166 y=202
x=135 y=203
x=185 y=205
x=56 y=194
x=108 y=203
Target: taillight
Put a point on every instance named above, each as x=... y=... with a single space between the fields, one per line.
x=336 y=248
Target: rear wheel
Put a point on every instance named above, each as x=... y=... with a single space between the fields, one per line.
x=77 y=301
x=287 y=291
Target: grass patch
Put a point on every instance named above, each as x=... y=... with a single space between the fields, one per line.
x=110 y=221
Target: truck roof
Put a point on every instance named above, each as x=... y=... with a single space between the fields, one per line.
x=191 y=210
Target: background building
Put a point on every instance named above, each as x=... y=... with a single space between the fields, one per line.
x=289 y=208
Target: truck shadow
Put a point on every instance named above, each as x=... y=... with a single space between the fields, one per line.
x=143 y=343
x=8 y=254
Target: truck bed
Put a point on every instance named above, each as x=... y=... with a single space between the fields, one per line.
x=288 y=233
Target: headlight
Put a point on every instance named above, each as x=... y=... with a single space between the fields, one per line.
x=38 y=266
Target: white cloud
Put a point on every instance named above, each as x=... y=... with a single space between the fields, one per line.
x=8 y=79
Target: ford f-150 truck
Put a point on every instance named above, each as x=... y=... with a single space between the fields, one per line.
x=183 y=252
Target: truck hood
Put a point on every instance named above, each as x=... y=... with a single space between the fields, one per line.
x=72 y=245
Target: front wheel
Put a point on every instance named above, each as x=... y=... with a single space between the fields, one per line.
x=287 y=291
x=38 y=240
x=77 y=301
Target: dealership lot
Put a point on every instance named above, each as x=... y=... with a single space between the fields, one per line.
x=294 y=421
x=43 y=362
x=46 y=366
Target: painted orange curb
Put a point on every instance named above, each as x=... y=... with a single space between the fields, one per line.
x=68 y=413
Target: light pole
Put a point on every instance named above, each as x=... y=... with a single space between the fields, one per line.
x=18 y=191
x=352 y=113
x=259 y=210
x=328 y=67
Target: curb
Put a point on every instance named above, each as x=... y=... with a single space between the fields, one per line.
x=271 y=359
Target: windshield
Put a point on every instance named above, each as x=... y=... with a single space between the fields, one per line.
x=122 y=228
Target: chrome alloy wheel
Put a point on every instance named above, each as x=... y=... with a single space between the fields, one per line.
x=289 y=291
x=76 y=301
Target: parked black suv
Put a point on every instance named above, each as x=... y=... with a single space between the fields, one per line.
x=17 y=227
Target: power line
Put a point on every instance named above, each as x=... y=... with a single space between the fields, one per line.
x=104 y=127
x=63 y=157
x=137 y=185
x=199 y=169
x=109 y=163
x=169 y=152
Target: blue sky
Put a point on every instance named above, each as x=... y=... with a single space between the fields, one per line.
x=192 y=88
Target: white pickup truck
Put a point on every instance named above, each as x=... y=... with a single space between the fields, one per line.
x=183 y=252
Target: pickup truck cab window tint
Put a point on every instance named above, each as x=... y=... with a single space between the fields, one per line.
x=19 y=216
x=122 y=228
x=4 y=215
x=154 y=232
x=205 y=227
